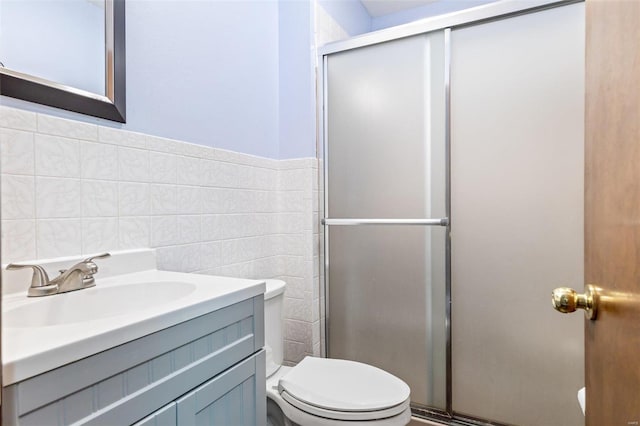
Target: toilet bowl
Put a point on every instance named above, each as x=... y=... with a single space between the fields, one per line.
x=324 y=391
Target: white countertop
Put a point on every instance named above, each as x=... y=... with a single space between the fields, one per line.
x=29 y=351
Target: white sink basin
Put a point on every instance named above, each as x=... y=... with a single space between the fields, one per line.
x=131 y=299
x=95 y=303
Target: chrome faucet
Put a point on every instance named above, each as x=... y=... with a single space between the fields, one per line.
x=77 y=277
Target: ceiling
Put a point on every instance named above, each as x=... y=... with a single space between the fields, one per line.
x=384 y=7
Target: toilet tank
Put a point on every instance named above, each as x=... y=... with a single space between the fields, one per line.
x=273 y=324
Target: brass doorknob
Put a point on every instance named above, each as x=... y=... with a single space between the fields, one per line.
x=567 y=300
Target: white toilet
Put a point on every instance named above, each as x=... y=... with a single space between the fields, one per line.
x=323 y=391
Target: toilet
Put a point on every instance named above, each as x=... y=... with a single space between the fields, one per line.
x=324 y=391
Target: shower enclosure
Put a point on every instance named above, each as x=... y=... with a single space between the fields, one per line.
x=453 y=182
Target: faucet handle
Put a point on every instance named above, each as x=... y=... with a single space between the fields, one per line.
x=87 y=279
x=39 y=278
x=97 y=256
x=40 y=285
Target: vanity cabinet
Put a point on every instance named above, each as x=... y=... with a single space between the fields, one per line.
x=207 y=370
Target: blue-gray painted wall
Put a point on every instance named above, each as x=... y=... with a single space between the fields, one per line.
x=205 y=72
x=433 y=9
x=351 y=15
x=297 y=130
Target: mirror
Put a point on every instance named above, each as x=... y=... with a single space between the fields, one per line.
x=68 y=54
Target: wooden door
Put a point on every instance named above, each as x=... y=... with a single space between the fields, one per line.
x=612 y=210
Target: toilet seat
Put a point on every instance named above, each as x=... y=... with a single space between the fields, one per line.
x=343 y=390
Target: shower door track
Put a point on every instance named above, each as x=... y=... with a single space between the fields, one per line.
x=349 y=222
x=477 y=15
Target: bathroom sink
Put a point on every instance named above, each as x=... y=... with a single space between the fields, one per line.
x=95 y=303
x=131 y=299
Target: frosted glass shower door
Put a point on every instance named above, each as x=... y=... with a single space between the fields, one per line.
x=517 y=185
x=385 y=154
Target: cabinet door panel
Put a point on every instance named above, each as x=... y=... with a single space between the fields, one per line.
x=235 y=397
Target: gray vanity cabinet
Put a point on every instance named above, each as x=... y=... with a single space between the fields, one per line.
x=209 y=370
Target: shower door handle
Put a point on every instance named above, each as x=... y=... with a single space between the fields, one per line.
x=567 y=300
x=428 y=222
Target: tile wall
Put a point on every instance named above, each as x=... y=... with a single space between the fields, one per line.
x=72 y=188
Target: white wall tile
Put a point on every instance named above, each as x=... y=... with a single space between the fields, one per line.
x=307 y=248
x=18 y=197
x=311 y=222
x=297 y=309
x=121 y=137
x=99 y=198
x=299 y=331
x=292 y=180
x=237 y=270
x=164 y=231
x=163 y=199
x=225 y=175
x=189 y=199
x=229 y=226
x=294 y=352
x=250 y=201
x=48 y=124
x=189 y=171
x=57 y=156
x=18 y=240
x=211 y=231
x=266 y=179
x=272 y=201
x=133 y=199
x=291 y=244
x=243 y=201
x=315 y=309
x=268 y=268
x=259 y=201
x=155 y=143
x=16 y=152
x=295 y=286
x=17 y=119
x=291 y=223
x=236 y=251
x=211 y=253
x=228 y=156
x=56 y=237
x=163 y=167
x=295 y=265
x=99 y=235
x=188 y=229
x=290 y=201
x=243 y=177
x=179 y=258
x=133 y=232
x=215 y=200
x=207 y=168
x=133 y=164
x=99 y=161
x=58 y=197
x=193 y=150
